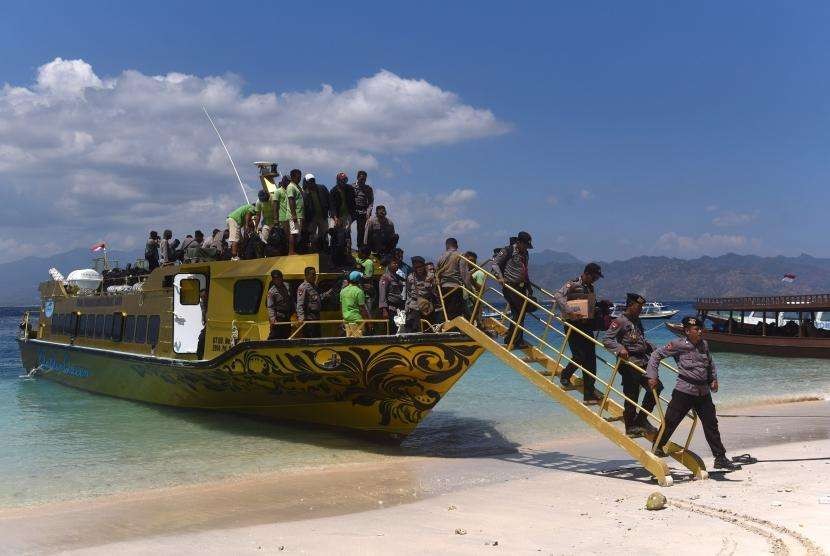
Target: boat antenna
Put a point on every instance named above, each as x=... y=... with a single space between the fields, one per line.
x=241 y=185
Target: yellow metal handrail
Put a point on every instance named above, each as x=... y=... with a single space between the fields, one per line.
x=302 y=324
x=569 y=329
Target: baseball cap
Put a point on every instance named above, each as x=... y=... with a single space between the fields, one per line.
x=355 y=276
x=309 y=177
x=691 y=321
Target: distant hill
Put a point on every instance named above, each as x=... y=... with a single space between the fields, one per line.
x=19 y=279
x=658 y=278
x=666 y=278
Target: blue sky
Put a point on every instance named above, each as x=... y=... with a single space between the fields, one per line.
x=605 y=129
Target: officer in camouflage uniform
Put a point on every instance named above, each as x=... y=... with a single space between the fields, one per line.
x=626 y=339
x=698 y=378
x=310 y=303
x=278 y=305
x=583 y=350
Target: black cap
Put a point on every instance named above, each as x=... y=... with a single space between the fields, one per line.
x=263 y=195
x=418 y=260
x=524 y=237
x=593 y=268
x=691 y=321
x=634 y=298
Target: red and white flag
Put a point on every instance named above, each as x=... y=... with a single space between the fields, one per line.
x=99 y=247
x=788 y=278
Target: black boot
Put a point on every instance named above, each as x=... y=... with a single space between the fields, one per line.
x=725 y=463
x=642 y=422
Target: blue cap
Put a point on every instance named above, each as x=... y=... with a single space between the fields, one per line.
x=355 y=276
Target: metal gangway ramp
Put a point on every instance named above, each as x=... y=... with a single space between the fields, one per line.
x=544 y=359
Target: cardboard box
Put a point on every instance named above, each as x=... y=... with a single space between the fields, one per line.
x=583 y=307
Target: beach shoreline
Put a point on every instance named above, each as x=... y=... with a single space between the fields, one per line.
x=336 y=492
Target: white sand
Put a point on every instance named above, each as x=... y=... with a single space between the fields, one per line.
x=560 y=512
x=566 y=497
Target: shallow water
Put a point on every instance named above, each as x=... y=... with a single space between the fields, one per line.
x=59 y=443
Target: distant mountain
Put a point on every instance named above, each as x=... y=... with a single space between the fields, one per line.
x=549 y=256
x=658 y=278
x=19 y=279
x=666 y=278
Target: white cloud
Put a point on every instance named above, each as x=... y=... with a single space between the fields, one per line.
x=458 y=196
x=461 y=226
x=704 y=244
x=424 y=220
x=585 y=195
x=112 y=156
x=730 y=218
x=552 y=200
x=711 y=208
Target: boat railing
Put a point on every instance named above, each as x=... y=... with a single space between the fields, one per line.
x=301 y=324
x=560 y=354
x=771 y=302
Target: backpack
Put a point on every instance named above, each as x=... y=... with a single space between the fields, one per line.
x=503 y=264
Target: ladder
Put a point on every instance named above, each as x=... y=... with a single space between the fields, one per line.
x=543 y=360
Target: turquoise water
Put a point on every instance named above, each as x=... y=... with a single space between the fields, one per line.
x=57 y=443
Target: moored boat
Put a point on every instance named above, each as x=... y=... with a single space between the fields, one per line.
x=651 y=310
x=156 y=342
x=784 y=326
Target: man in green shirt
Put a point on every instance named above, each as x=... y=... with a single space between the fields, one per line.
x=291 y=210
x=238 y=220
x=265 y=214
x=353 y=305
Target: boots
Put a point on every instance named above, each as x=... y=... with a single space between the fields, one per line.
x=723 y=462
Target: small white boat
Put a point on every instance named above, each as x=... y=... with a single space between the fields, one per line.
x=651 y=310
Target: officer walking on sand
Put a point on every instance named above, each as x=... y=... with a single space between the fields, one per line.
x=697 y=380
x=626 y=339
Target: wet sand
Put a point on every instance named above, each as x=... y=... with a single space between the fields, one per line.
x=537 y=497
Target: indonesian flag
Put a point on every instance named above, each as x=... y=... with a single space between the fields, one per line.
x=99 y=247
x=788 y=278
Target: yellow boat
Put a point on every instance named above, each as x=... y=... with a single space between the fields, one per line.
x=143 y=343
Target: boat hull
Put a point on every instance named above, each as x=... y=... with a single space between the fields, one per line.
x=376 y=384
x=776 y=346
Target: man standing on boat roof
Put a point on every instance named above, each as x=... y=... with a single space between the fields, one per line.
x=317 y=208
x=510 y=268
x=697 y=380
x=626 y=339
x=278 y=305
x=364 y=200
x=583 y=349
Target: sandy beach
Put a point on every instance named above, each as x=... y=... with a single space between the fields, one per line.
x=570 y=496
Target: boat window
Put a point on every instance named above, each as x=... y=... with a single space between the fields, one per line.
x=824 y=316
x=153 y=330
x=90 y=326
x=189 y=291
x=789 y=315
x=246 y=296
x=71 y=323
x=141 y=329
x=57 y=324
x=99 y=326
x=108 y=327
x=129 y=328
x=117 y=322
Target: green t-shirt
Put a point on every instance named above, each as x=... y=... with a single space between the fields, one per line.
x=368 y=267
x=291 y=190
x=352 y=299
x=267 y=211
x=478 y=279
x=239 y=214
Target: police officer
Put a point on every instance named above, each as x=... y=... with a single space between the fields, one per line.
x=310 y=303
x=278 y=305
x=697 y=379
x=583 y=350
x=626 y=339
